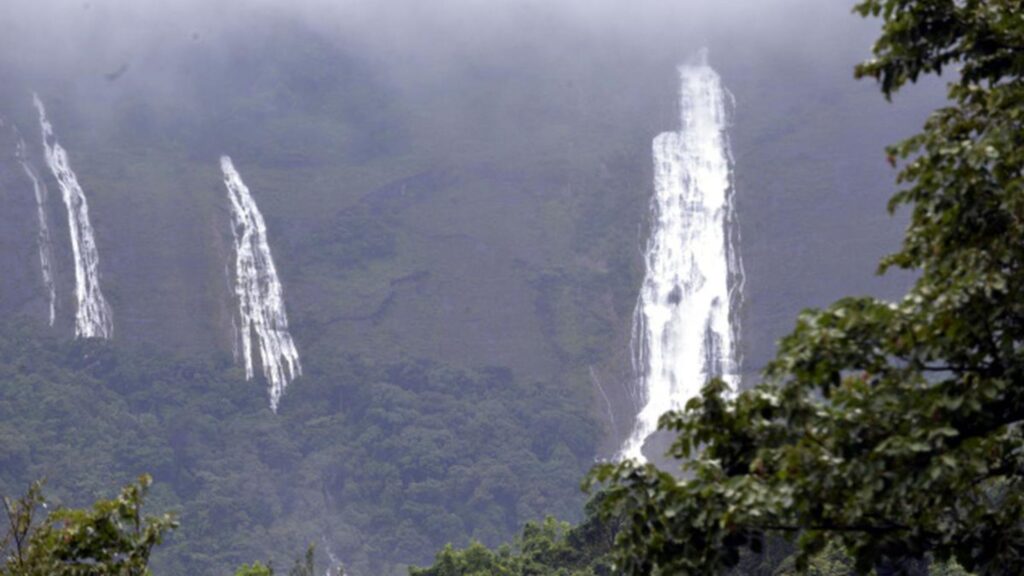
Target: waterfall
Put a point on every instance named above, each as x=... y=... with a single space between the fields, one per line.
x=335 y=567
x=258 y=290
x=43 y=237
x=93 y=316
x=683 y=331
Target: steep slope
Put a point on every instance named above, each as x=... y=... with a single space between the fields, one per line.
x=93 y=316
x=685 y=328
x=458 y=245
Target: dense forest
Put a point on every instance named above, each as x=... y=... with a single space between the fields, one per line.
x=427 y=447
x=458 y=215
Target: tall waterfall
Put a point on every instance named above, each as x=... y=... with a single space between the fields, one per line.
x=93 y=317
x=684 y=331
x=43 y=237
x=260 y=297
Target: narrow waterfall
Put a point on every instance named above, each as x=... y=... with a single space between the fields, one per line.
x=258 y=290
x=335 y=567
x=684 y=331
x=46 y=262
x=93 y=318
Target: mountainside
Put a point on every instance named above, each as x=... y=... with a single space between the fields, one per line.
x=458 y=241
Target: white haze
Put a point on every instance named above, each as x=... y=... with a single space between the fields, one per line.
x=417 y=40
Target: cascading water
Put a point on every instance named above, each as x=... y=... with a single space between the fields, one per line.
x=683 y=331
x=260 y=297
x=43 y=238
x=93 y=318
x=335 y=566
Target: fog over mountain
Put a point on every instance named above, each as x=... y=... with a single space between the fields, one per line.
x=457 y=198
x=160 y=47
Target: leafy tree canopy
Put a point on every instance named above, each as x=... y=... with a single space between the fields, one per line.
x=549 y=547
x=890 y=428
x=110 y=539
x=256 y=569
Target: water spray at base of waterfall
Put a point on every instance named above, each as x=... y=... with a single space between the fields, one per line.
x=258 y=290
x=684 y=330
x=93 y=317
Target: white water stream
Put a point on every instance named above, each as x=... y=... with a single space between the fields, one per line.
x=258 y=290
x=93 y=318
x=683 y=332
x=43 y=236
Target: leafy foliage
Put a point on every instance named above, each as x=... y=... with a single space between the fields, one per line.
x=256 y=569
x=304 y=565
x=377 y=461
x=112 y=538
x=890 y=428
x=548 y=547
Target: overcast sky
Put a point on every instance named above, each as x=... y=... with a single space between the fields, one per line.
x=70 y=37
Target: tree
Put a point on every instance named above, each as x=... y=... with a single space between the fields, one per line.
x=549 y=547
x=304 y=565
x=892 y=429
x=110 y=539
x=257 y=569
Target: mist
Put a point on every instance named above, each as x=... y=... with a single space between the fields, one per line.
x=457 y=196
x=554 y=89
x=121 y=45
x=501 y=88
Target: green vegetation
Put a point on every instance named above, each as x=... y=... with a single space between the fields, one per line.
x=110 y=539
x=434 y=377
x=257 y=569
x=892 y=430
x=372 y=461
x=554 y=548
x=507 y=256
x=303 y=566
x=548 y=547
